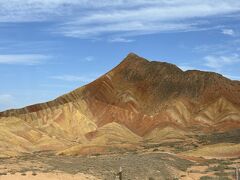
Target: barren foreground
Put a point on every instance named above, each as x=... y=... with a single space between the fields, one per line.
x=48 y=176
x=145 y=165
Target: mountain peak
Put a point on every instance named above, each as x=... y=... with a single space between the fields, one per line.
x=132 y=57
x=131 y=60
x=131 y=54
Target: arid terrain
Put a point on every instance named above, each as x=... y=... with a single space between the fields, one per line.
x=150 y=118
x=147 y=164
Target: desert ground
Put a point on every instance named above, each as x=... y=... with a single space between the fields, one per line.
x=150 y=163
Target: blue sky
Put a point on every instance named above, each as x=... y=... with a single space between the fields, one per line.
x=50 y=47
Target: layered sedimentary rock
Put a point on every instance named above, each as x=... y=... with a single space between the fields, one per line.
x=139 y=101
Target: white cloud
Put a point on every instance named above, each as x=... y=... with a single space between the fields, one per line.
x=121 y=40
x=225 y=48
x=217 y=62
x=22 y=59
x=158 y=17
x=73 y=78
x=24 y=47
x=229 y=32
x=123 y=29
x=233 y=77
x=88 y=19
x=6 y=99
x=186 y=67
x=89 y=58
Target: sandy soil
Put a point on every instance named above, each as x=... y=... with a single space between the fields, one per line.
x=136 y=166
x=49 y=176
x=159 y=166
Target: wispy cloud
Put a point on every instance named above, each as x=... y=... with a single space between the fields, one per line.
x=232 y=77
x=222 y=57
x=225 y=48
x=229 y=32
x=88 y=59
x=24 y=47
x=23 y=59
x=6 y=99
x=160 y=16
x=91 y=19
x=74 y=78
x=186 y=67
x=121 y=40
x=217 y=62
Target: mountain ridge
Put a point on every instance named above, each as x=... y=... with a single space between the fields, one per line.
x=136 y=99
x=131 y=58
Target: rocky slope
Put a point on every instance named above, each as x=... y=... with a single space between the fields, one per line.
x=139 y=101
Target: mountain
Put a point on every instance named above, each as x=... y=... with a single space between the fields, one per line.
x=138 y=102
